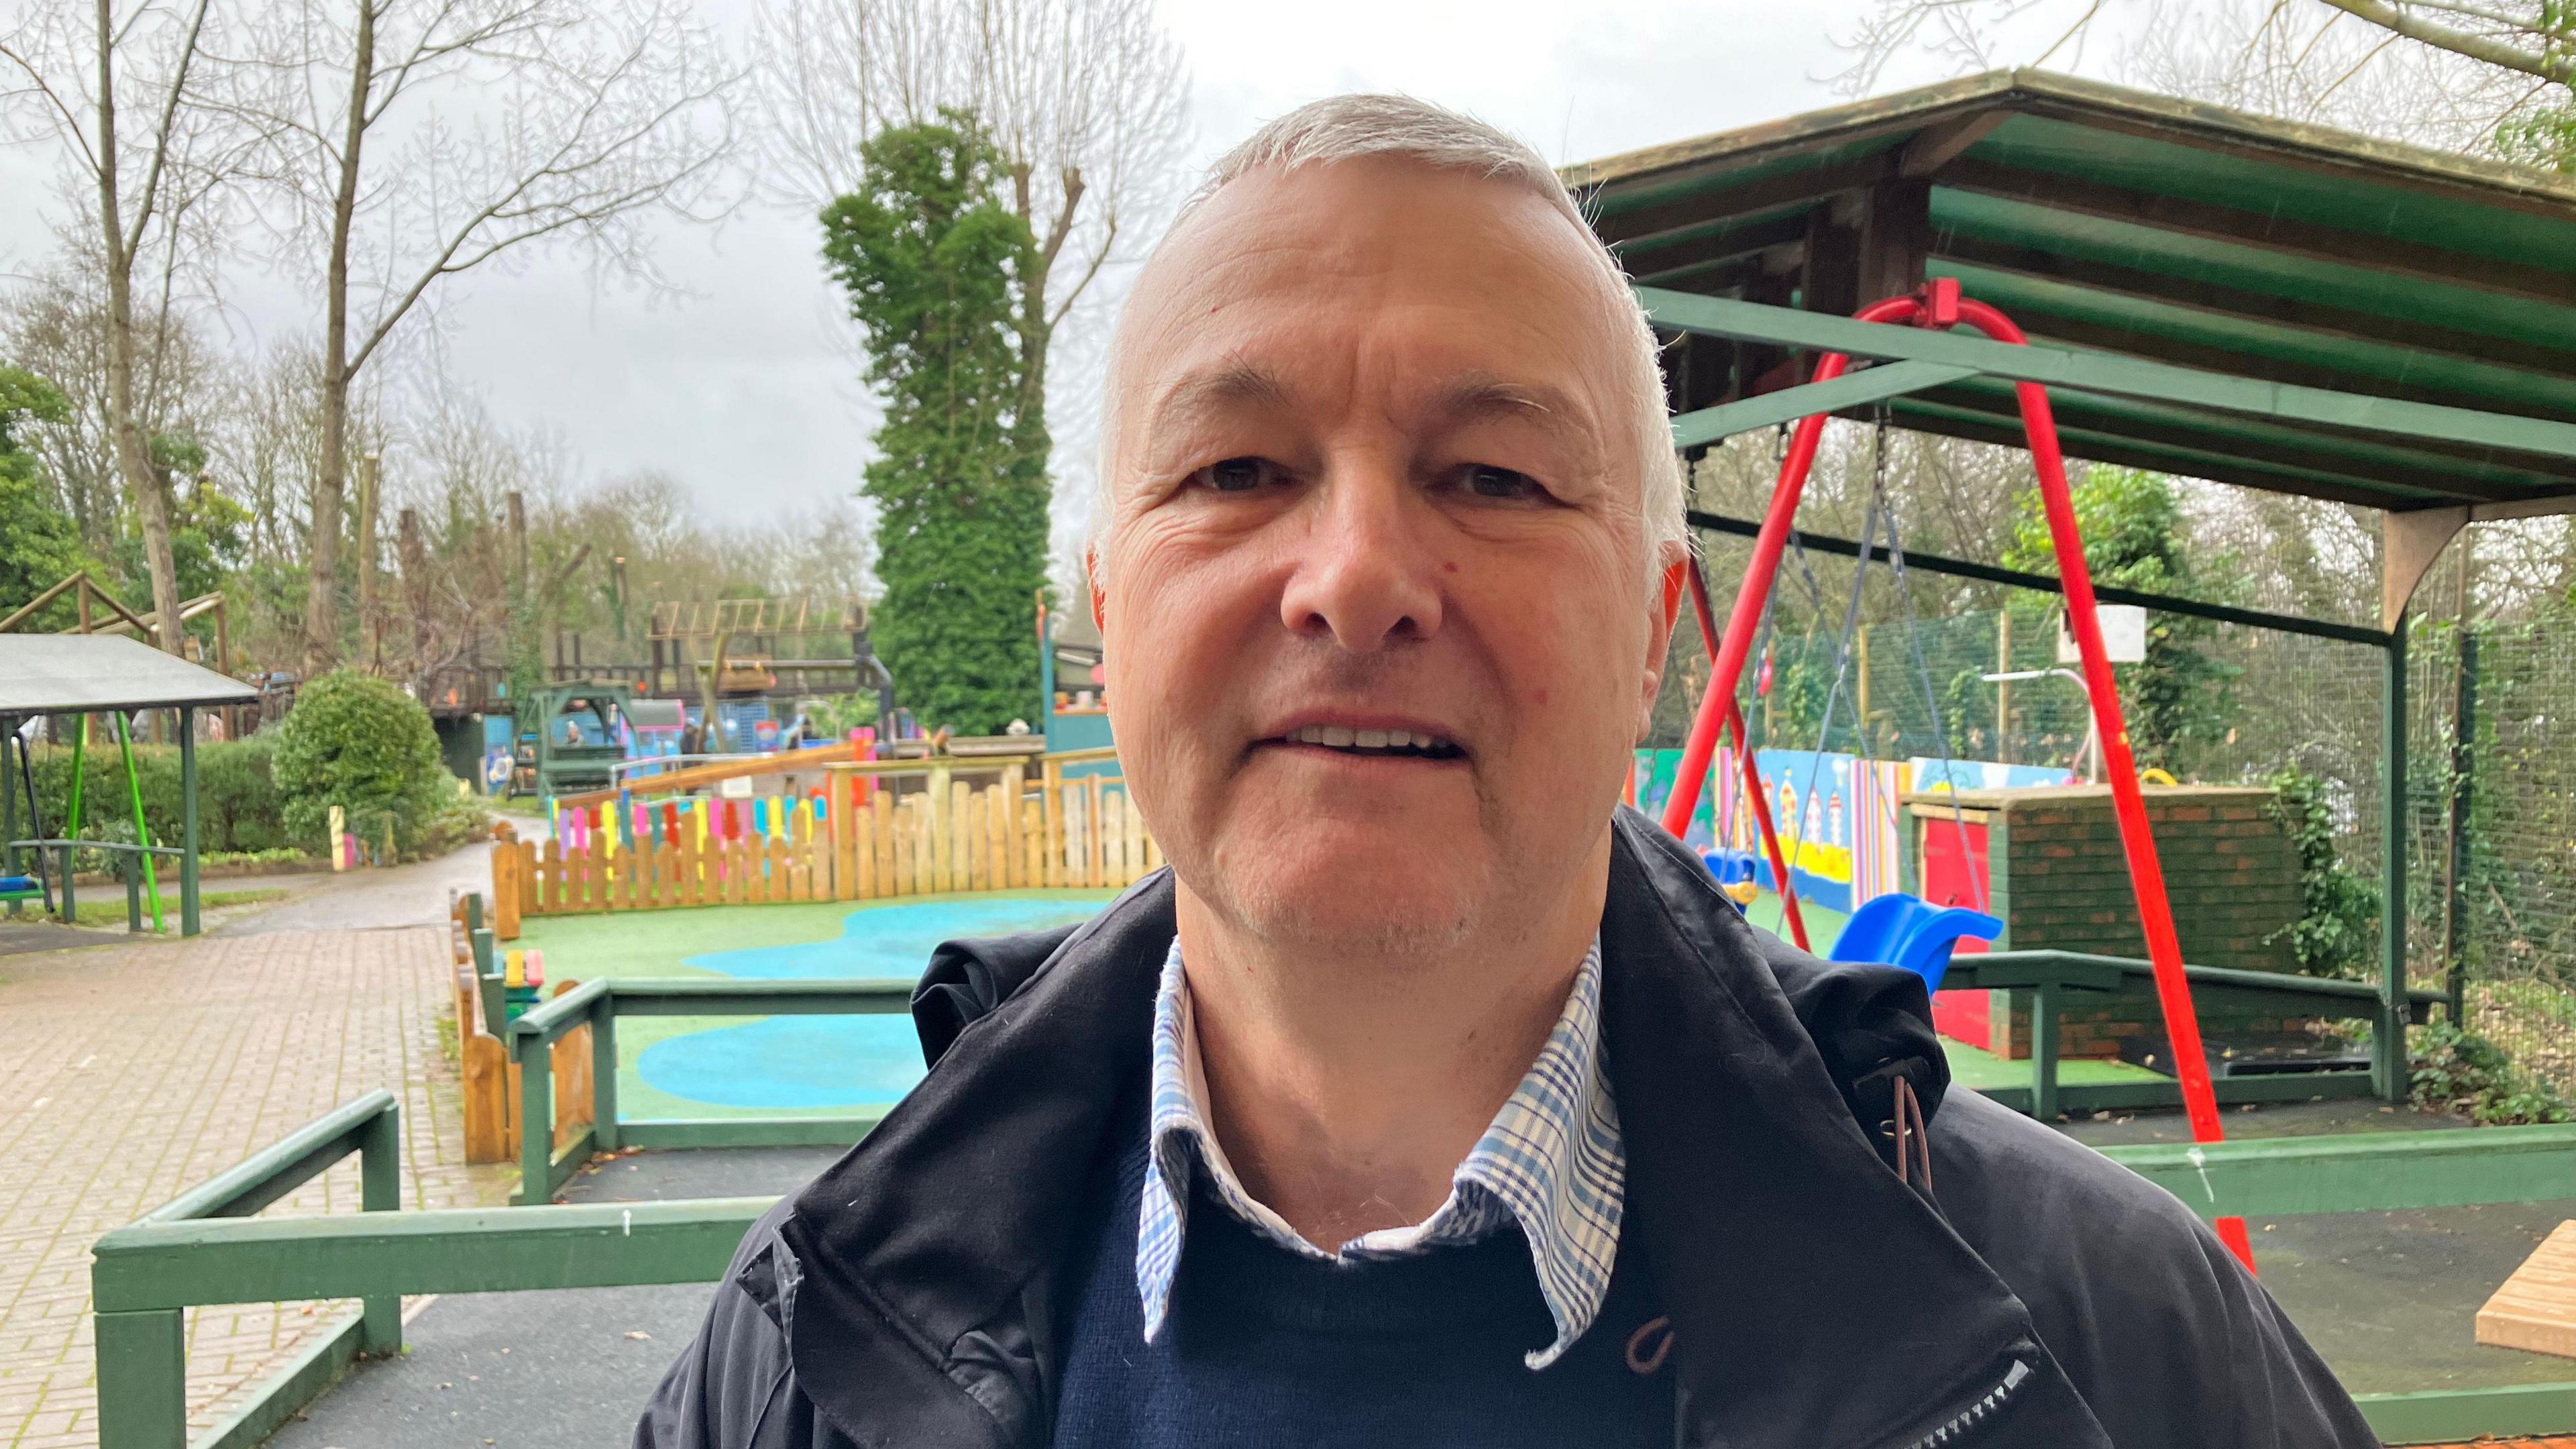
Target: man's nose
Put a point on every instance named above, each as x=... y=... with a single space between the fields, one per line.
x=1365 y=576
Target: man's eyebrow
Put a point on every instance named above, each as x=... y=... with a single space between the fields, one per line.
x=1233 y=384
x=1480 y=396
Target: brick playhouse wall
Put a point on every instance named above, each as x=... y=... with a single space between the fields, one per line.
x=2060 y=879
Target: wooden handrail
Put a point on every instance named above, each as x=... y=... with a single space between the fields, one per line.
x=780 y=763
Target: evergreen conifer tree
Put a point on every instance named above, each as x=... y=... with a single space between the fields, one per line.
x=933 y=259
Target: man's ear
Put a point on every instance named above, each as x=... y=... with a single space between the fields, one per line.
x=1099 y=605
x=1665 y=606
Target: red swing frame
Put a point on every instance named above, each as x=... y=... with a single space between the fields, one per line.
x=1938 y=306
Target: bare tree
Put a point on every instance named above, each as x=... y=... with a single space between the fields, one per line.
x=57 y=326
x=410 y=141
x=1084 y=97
x=124 y=97
x=2521 y=53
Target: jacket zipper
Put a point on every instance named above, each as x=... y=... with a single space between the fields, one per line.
x=1968 y=1418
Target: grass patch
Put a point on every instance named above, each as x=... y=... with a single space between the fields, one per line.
x=111 y=912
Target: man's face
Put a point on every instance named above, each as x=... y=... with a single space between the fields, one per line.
x=1380 y=619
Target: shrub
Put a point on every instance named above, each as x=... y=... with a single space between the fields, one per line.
x=237 y=802
x=360 y=743
x=238 y=808
x=2460 y=1071
x=2337 y=932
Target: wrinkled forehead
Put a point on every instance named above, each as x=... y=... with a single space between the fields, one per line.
x=1380 y=282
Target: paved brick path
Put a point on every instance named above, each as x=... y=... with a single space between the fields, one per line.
x=130 y=1072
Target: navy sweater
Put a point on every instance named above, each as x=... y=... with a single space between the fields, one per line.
x=1263 y=1347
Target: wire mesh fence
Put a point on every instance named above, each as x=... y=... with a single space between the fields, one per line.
x=2490 y=829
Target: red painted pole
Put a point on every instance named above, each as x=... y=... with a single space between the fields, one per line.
x=1753 y=790
x=2146 y=871
x=2128 y=801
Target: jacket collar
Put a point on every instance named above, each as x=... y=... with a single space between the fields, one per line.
x=1807 y=1286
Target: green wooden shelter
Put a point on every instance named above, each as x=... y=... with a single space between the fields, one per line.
x=2208 y=292
x=81 y=674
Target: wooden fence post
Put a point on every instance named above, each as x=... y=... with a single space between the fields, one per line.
x=1051 y=826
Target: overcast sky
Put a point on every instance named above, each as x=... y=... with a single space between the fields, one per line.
x=744 y=388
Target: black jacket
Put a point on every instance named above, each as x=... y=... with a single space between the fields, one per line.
x=2040 y=1298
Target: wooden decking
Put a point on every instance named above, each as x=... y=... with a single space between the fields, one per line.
x=2535 y=1310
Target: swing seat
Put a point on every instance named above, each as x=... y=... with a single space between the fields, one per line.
x=1736 y=874
x=1911 y=933
x=19 y=888
x=1730 y=867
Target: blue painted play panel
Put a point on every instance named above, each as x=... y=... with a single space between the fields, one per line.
x=824 y=1062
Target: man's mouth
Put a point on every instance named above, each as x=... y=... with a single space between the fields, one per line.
x=1401 y=743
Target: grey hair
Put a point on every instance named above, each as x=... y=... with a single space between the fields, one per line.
x=1344 y=128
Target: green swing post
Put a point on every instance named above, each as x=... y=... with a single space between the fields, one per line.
x=9 y=809
x=80 y=752
x=72 y=818
x=142 y=833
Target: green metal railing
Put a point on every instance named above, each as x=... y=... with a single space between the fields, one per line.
x=199 y=1250
x=2047 y=976
x=148 y=1272
x=129 y=868
x=598 y=1004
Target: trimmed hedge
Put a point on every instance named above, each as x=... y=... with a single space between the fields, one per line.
x=238 y=806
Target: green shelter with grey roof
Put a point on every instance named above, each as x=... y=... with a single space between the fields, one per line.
x=82 y=675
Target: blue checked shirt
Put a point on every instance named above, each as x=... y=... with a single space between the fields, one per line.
x=1552 y=1161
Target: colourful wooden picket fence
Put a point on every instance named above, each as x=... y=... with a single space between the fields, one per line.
x=910 y=830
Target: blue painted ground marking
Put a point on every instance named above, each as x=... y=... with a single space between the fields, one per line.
x=784 y=1062
x=790 y=1061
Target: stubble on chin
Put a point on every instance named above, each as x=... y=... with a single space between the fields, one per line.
x=1329 y=913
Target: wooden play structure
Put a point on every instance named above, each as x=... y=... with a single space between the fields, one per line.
x=883 y=829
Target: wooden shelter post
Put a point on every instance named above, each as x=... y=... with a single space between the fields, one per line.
x=2388 y=1035
x=187 y=820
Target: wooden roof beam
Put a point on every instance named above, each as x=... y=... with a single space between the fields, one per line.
x=1626 y=230
x=1935 y=147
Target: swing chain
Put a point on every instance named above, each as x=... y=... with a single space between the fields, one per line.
x=1914 y=647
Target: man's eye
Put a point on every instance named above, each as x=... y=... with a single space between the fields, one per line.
x=1486 y=481
x=1234 y=475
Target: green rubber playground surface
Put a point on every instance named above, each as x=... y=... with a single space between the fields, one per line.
x=1978 y=1070
x=1822 y=925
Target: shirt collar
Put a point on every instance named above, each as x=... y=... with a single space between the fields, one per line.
x=1552 y=1161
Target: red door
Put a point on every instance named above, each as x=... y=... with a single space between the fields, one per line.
x=1953 y=876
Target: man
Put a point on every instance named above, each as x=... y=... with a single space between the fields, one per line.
x=1429 y=1097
